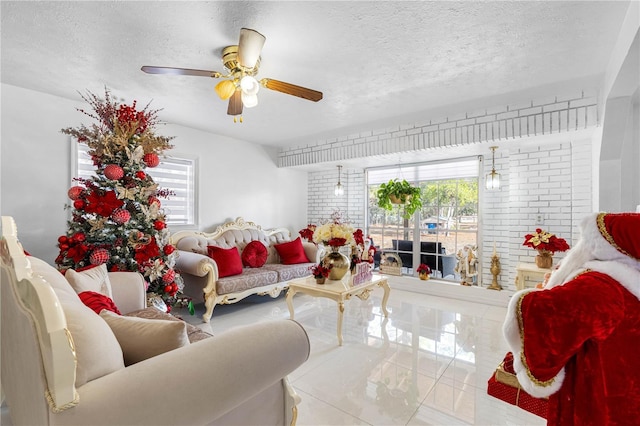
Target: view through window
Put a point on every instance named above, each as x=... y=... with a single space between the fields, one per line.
x=436 y=234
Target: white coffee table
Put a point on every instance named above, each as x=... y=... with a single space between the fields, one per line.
x=338 y=291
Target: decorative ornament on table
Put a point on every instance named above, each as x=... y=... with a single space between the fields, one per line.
x=546 y=244
x=335 y=234
x=118 y=211
x=320 y=272
x=424 y=271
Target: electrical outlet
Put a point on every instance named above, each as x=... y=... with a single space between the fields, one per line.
x=539 y=219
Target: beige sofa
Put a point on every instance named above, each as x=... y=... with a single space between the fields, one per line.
x=200 y=272
x=63 y=364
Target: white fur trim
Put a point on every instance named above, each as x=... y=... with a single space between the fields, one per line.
x=533 y=389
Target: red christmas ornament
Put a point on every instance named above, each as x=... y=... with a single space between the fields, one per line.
x=75 y=192
x=113 y=172
x=169 y=276
x=62 y=239
x=121 y=216
x=167 y=288
x=153 y=199
x=79 y=237
x=99 y=256
x=141 y=175
x=168 y=308
x=78 y=204
x=151 y=159
x=168 y=249
x=159 y=225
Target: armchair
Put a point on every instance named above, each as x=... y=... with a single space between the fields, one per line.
x=237 y=377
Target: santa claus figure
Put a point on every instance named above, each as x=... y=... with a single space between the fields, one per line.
x=577 y=340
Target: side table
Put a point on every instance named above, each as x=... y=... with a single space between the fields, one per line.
x=528 y=275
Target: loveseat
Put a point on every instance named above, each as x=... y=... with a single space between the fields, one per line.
x=269 y=259
x=65 y=364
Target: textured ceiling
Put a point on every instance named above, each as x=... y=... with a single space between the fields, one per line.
x=377 y=63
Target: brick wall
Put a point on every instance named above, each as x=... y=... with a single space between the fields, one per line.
x=531 y=118
x=545 y=161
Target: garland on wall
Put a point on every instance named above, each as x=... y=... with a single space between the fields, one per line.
x=117 y=216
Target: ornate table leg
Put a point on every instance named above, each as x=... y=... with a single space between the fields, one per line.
x=340 y=315
x=385 y=285
x=290 y=293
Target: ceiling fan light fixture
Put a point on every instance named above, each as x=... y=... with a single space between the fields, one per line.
x=249 y=85
x=249 y=47
x=249 y=101
x=225 y=89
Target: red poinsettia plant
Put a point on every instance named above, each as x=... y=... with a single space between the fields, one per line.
x=423 y=268
x=320 y=271
x=307 y=233
x=544 y=241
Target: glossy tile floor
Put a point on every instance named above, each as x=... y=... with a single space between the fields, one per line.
x=427 y=364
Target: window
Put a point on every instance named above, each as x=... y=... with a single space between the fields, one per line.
x=173 y=173
x=447 y=222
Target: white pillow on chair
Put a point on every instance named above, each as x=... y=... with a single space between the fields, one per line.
x=93 y=279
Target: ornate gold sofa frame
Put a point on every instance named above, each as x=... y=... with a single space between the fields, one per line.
x=200 y=272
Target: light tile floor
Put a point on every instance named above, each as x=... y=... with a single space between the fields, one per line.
x=427 y=364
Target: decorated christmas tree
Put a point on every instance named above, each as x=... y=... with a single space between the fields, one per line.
x=117 y=216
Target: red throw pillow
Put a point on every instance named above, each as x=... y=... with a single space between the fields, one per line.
x=254 y=254
x=98 y=301
x=292 y=252
x=228 y=260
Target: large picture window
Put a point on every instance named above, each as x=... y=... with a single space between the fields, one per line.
x=439 y=232
x=177 y=174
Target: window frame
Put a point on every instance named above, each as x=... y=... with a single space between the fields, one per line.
x=410 y=171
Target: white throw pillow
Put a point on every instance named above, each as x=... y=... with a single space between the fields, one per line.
x=142 y=338
x=97 y=350
x=94 y=279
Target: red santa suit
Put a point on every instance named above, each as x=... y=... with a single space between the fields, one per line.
x=577 y=340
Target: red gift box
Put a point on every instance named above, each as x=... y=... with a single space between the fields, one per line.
x=504 y=386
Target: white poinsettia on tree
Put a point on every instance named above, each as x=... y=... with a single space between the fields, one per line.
x=117 y=216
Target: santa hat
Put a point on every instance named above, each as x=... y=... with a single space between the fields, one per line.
x=610 y=243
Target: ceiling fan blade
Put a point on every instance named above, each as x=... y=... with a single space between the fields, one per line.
x=291 y=89
x=235 y=103
x=180 y=71
x=249 y=47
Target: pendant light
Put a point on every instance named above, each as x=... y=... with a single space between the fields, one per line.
x=339 y=189
x=492 y=180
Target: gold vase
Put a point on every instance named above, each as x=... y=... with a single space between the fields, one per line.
x=338 y=262
x=544 y=259
x=423 y=276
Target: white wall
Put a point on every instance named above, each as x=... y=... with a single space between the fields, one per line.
x=236 y=178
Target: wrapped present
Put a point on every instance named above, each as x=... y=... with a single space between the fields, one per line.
x=504 y=385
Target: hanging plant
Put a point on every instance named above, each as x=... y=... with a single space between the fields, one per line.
x=400 y=192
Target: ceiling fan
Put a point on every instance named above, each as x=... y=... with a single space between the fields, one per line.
x=240 y=86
